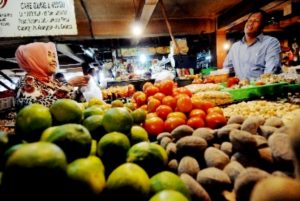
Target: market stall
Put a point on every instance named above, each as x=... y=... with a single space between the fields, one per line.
x=171 y=123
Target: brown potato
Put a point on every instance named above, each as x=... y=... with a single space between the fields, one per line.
x=226 y=147
x=266 y=131
x=213 y=179
x=276 y=189
x=274 y=121
x=188 y=165
x=197 y=191
x=246 y=181
x=182 y=131
x=205 y=133
x=242 y=141
x=251 y=124
x=236 y=119
x=233 y=169
x=215 y=158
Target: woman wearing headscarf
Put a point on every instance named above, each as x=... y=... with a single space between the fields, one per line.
x=40 y=62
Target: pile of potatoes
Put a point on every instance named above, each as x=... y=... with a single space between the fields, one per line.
x=229 y=162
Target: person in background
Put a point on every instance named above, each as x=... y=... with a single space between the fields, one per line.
x=40 y=62
x=255 y=53
x=94 y=74
x=60 y=77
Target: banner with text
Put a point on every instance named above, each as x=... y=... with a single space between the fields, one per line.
x=20 y=18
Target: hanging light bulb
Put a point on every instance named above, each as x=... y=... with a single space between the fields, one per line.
x=226 y=46
x=137 y=29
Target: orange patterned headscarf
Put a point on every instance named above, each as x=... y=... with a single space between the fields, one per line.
x=33 y=58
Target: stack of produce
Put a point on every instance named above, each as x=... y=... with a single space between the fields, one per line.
x=260 y=108
x=116 y=92
x=210 y=92
x=169 y=107
x=239 y=161
x=110 y=152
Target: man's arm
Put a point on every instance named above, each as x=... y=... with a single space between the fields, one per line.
x=273 y=63
x=228 y=63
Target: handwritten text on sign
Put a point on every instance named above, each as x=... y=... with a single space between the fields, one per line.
x=37 y=18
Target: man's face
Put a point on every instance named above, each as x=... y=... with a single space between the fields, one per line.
x=253 y=24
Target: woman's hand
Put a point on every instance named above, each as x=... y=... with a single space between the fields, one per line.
x=79 y=81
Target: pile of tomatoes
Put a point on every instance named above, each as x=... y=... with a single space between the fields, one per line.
x=169 y=106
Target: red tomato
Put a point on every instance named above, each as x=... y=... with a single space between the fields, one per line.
x=152 y=105
x=177 y=114
x=159 y=96
x=144 y=107
x=151 y=114
x=131 y=90
x=170 y=101
x=183 y=90
x=172 y=122
x=136 y=94
x=141 y=99
x=147 y=84
x=215 y=120
x=163 y=111
x=232 y=81
x=184 y=104
x=197 y=113
x=201 y=104
x=154 y=125
x=166 y=87
x=151 y=90
x=215 y=110
x=195 y=122
x=208 y=80
x=180 y=95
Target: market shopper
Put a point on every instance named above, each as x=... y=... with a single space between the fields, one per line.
x=255 y=53
x=40 y=62
x=60 y=77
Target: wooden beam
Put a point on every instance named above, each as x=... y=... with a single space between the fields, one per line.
x=238 y=13
x=147 y=12
x=139 y=8
x=182 y=26
x=221 y=52
x=289 y=22
x=121 y=29
x=236 y=21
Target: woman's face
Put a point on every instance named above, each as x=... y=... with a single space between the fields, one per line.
x=52 y=62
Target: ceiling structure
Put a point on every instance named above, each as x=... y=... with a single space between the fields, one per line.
x=98 y=19
x=108 y=19
x=113 y=19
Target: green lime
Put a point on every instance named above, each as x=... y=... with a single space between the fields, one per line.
x=168 y=195
x=139 y=116
x=168 y=180
x=138 y=134
x=74 y=139
x=31 y=121
x=35 y=167
x=93 y=110
x=149 y=156
x=117 y=103
x=87 y=176
x=66 y=111
x=94 y=125
x=128 y=182
x=117 y=119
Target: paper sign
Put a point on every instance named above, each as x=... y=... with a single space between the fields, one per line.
x=20 y=18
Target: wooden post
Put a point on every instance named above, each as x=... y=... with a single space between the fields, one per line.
x=221 y=52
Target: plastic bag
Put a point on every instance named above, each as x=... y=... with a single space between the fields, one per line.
x=163 y=75
x=92 y=90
